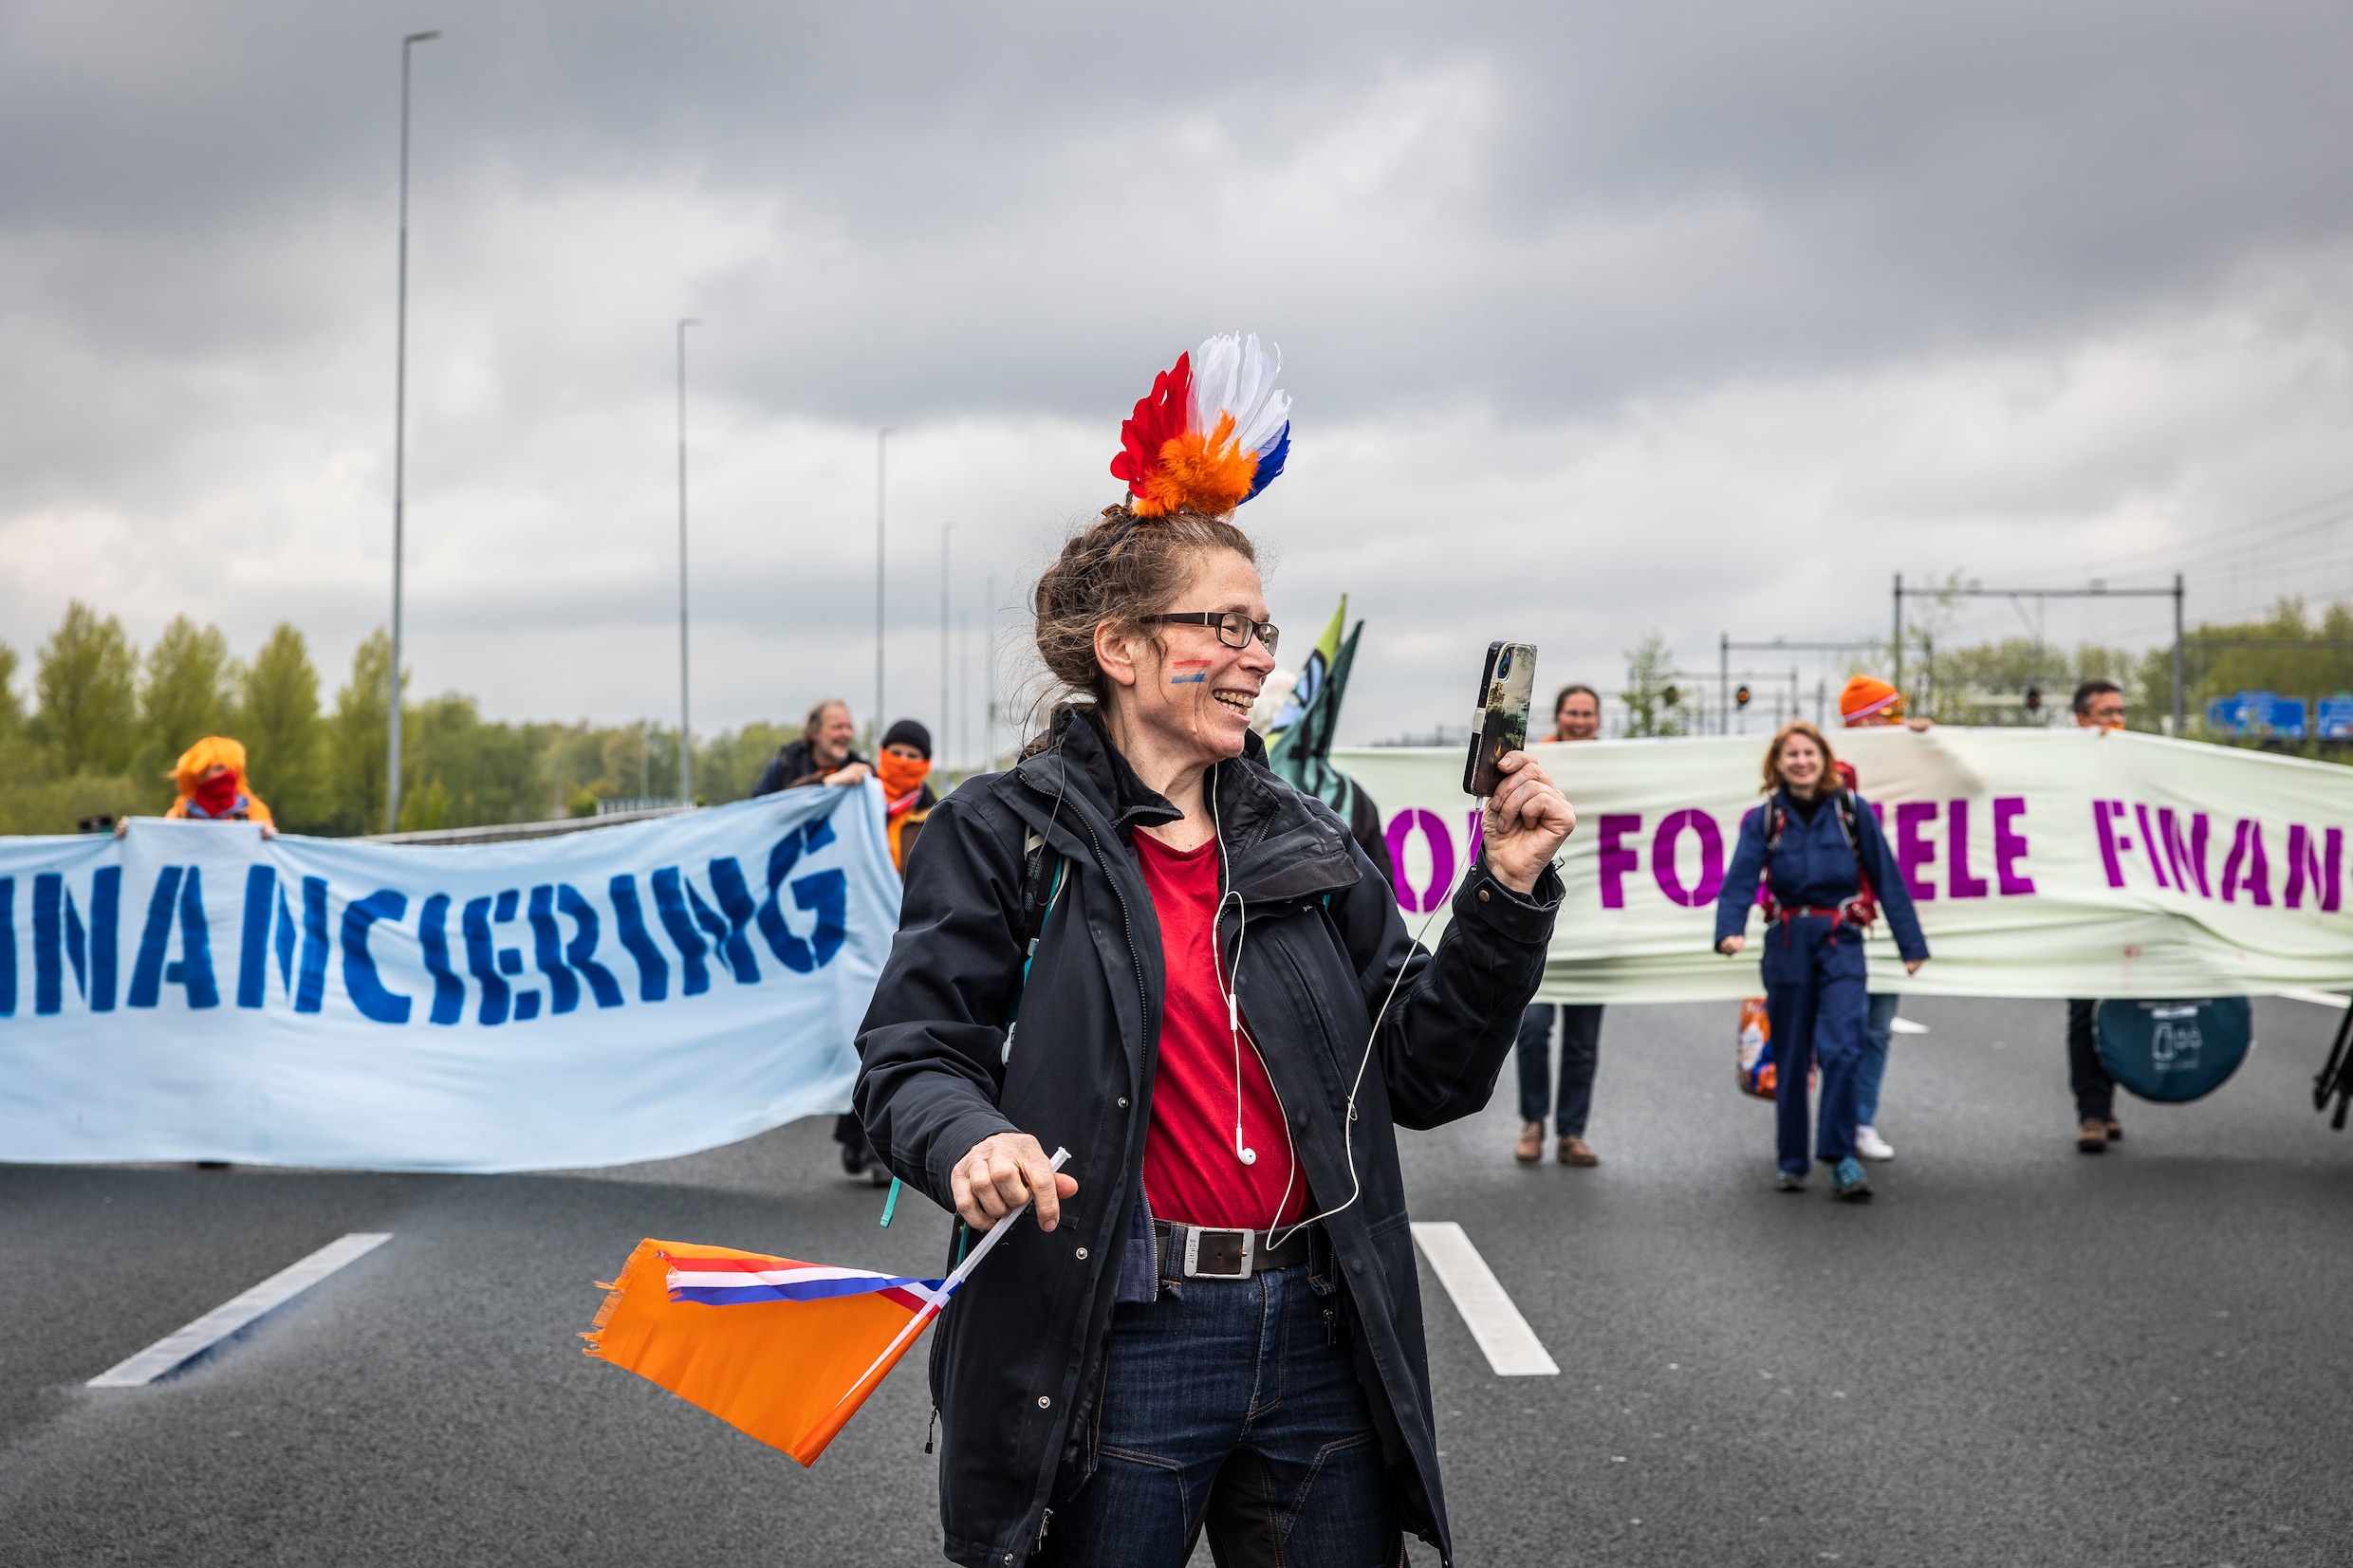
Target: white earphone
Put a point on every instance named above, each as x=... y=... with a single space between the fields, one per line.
x=1233 y=1023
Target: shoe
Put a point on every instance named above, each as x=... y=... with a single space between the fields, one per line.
x=877 y=1174
x=2116 y=1130
x=2092 y=1137
x=852 y=1160
x=1531 y=1147
x=1853 y=1185
x=1789 y=1181
x=1574 y=1152
x=1871 y=1146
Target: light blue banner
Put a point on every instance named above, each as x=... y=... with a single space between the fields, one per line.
x=193 y=991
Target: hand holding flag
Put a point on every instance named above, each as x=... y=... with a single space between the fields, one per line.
x=782 y=1349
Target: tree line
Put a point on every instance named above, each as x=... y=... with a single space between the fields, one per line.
x=2023 y=681
x=107 y=719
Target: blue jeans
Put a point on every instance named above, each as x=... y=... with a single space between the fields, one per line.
x=1581 y=1052
x=1820 y=1018
x=1234 y=1404
x=1878 y=1030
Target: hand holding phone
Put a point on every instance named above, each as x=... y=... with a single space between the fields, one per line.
x=1507 y=689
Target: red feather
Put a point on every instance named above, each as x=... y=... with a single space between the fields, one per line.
x=1158 y=419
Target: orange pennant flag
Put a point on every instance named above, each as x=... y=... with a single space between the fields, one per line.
x=781 y=1350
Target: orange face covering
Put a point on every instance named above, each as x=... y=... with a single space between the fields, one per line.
x=902 y=777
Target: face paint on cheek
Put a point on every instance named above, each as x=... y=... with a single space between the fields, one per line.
x=1198 y=667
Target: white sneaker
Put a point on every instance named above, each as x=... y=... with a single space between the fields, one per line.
x=1871 y=1146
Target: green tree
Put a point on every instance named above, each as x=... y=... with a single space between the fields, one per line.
x=727 y=767
x=285 y=740
x=11 y=706
x=362 y=717
x=468 y=773
x=185 y=695
x=2287 y=651
x=88 y=699
x=1654 y=705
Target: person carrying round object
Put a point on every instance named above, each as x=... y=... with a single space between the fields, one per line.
x=1869 y=703
x=1142 y=947
x=1818 y=847
x=2098 y=706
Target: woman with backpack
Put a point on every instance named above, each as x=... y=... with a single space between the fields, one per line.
x=1817 y=844
x=1222 y=1019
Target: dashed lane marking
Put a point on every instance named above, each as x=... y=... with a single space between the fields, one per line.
x=1512 y=1348
x=175 y=1350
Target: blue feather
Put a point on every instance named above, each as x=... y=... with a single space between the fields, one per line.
x=1270 y=463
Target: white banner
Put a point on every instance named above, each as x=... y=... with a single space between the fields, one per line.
x=2044 y=862
x=193 y=991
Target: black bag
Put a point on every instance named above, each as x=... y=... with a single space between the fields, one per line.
x=2173 y=1052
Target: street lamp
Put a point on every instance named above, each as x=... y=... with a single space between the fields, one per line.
x=882 y=437
x=400 y=438
x=941 y=744
x=686 y=733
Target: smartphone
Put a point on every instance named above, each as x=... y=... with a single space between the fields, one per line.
x=1506 y=690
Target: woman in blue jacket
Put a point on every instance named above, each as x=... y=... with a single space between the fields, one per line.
x=1826 y=860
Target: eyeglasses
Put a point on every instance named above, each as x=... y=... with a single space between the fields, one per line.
x=1234 y=629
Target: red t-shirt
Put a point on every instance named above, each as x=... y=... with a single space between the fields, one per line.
x=1192 y=1173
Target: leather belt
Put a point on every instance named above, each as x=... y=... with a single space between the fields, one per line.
x=1202 y=1253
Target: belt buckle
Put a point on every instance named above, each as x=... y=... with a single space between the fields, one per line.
x=1222 y=1249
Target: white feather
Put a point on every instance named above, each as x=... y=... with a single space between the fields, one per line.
x=1235 y=375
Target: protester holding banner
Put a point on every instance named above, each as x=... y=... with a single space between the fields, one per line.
x=904 y=768
x=1576 y=716
x=210 y=778
x=1821 y=850
x=822 y=755
x=2099 y=705
x=1869 y=703
x=1216 y=1000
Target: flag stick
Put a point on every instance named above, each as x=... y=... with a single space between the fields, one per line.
x=939 y=1298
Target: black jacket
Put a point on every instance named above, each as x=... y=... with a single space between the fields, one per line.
x=1017 y=1358
x=793 y=764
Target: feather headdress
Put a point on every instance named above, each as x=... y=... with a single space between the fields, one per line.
x=1213 y=432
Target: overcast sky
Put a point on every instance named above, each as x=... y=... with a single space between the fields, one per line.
x=1598 y=319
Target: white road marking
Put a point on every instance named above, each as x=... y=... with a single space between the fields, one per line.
x=227 y=1319
x=1512 y=1348
x=2319 y=999
x=1905 y=1027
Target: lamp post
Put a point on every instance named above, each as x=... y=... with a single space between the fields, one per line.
x=686 y=733
x=400 y=441
x=945 y=712
x=882 y=439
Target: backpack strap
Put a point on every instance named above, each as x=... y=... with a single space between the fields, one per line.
x=1863 y=908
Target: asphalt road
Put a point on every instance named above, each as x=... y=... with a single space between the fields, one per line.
x=2016 y=1354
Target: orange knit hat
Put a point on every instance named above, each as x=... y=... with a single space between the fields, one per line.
x=1869 y=700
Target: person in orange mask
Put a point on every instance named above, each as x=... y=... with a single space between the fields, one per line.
x=1869 y=703
x=213 y=788
x=903 y=767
